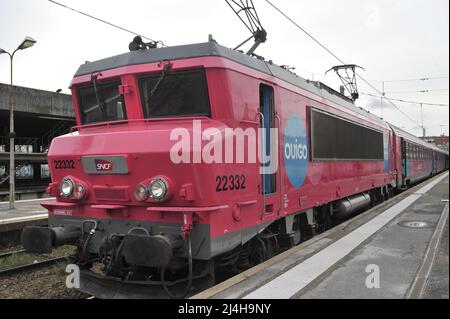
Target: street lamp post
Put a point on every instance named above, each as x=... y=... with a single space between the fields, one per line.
x=26 y=43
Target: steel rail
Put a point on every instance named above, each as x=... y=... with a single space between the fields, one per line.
x=11 y=253
x=32 y=266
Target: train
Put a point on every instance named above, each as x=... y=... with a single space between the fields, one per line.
x=191 y=161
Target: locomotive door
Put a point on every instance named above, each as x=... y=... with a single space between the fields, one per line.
x=268 y=145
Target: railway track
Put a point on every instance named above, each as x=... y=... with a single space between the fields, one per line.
x=30 y=266
x=11 y=253
x=40 y=280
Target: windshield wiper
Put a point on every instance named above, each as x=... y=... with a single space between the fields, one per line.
x=100 y=104
x=163 y=74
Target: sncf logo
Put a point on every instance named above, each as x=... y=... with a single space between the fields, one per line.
x=103 y=165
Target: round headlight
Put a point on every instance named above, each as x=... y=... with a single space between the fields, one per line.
x=158 y=189
x=79 y=191
x=141 y=192
x=66 y=187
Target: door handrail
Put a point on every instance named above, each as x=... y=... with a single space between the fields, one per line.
x=263 y=189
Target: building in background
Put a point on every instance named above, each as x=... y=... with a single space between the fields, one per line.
x=39 y=117
x=439 y=141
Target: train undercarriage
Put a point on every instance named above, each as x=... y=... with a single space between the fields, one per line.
x=137 y=264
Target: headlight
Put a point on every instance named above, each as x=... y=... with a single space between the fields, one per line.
x=79 y=191
x=158 y=189
x=66 y=187
x=141 y=192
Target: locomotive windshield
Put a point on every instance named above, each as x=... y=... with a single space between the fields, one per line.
x=101 y=102
x=175 y=94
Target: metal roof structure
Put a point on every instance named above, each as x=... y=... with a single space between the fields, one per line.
x=211 y=48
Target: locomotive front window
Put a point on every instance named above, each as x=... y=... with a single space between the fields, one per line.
x=175 y=94
x=101 y=102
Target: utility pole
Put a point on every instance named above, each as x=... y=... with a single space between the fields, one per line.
x=28 y=42
x=421 y=115
x=12 y=149
x=382 y=97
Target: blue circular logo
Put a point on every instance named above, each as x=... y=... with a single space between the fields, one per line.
x=295 y=151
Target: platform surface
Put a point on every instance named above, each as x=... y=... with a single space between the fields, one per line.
x=398 y=249
x=25 y=210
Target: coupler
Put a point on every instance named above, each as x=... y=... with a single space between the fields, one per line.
x=41 y=240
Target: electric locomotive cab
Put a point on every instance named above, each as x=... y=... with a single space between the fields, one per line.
x=121 y=198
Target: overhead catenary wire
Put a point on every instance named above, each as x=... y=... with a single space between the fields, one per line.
x=426 y=126
x=306 y=32
x=417 y=91
x=390 y=92
x=425 y=78
x=405 y=101
x=340 y=60
x=106 y=22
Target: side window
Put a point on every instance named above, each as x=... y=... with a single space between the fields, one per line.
x=45 y=171
x=101 y=103
x=335 y=138
x=2 y=170
x=25 y=172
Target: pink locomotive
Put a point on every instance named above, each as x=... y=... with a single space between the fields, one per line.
x=194 y=158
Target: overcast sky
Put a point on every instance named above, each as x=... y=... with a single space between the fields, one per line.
x=391 y=39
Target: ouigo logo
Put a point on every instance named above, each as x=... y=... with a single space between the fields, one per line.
x=295 y=151
x=103 y=165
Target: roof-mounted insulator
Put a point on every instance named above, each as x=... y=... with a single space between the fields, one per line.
x=137 y=44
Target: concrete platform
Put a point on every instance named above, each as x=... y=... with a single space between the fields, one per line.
x=396 y=250
x=25 y=211
x=12 y=221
